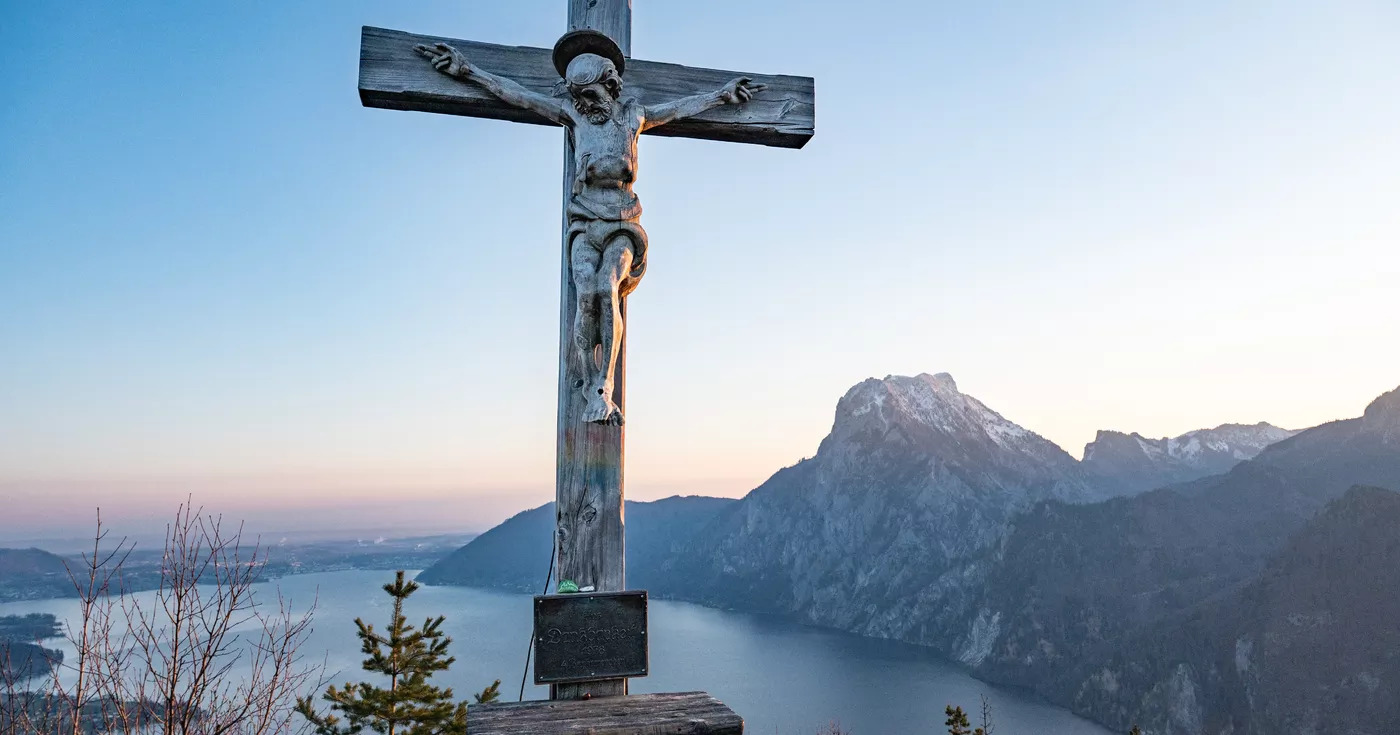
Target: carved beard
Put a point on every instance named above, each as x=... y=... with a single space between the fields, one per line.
x=596 y=112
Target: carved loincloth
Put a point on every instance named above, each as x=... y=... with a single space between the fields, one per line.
x=594 y=226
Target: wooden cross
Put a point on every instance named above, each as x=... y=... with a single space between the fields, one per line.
x=589 y=479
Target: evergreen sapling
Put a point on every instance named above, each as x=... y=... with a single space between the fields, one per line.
x=407 y=658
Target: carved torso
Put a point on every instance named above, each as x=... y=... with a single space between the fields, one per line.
x=606 y=247
x=605 y=160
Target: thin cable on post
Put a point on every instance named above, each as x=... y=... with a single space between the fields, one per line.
x=530 y=649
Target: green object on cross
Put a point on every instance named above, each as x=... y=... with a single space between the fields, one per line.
x=566 y=586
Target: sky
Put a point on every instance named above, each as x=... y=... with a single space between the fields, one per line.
x=223 y=278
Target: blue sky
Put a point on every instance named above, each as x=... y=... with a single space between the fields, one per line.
x=220 y=274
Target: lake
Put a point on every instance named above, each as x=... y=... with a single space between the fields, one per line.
x=783 y=678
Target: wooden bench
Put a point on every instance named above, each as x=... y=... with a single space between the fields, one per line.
x=686 y=713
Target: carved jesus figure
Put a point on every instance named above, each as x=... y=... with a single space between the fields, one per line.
x=606 y=243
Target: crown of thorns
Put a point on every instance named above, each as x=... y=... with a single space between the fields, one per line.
x=576 y=43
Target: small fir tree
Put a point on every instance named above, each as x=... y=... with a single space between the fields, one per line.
x=407 y=657
x=957 y=721
x=1135 y=731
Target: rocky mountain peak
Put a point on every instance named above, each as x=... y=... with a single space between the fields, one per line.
x=942 y=382
x=1108 y=440
x=926 y=424
x=922 y=403
x=1133 y=463
x=1240 y=441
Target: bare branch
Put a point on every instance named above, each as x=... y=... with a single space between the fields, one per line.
x=198 y=655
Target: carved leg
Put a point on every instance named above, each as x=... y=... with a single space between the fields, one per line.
x=616 y=263
x=584 y=260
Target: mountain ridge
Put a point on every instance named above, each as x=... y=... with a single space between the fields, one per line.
x=1078 y=585
x=928 y=517
x=30 y=574
x=1137 y=463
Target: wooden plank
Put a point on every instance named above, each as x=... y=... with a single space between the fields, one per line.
x=393 y=76
x=588 y=489
x=688 y=713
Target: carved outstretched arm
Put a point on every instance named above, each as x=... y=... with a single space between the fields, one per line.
x=737 y=91
x=451 y=62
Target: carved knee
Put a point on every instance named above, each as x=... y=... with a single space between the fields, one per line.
x=594 y=294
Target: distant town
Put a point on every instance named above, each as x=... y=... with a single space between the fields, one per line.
x=35 y=574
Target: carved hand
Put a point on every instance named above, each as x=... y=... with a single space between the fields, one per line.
x=447 y=60
x=739 y=91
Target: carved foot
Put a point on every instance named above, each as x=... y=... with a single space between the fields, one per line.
x=601 y=410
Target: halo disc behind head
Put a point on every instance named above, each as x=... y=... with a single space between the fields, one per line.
x=574 y=43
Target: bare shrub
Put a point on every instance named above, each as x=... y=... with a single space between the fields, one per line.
x=198 y=655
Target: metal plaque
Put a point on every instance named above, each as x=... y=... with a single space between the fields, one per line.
x=589 y=636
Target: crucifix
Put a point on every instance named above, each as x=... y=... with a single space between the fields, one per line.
x=589 y=85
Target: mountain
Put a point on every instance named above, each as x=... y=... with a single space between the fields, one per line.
x=18 y=562
x=1322 y=616
x=928 y=517
x=882 y=532
x=31 y=574
x=1084 y=602
x=1308 y=645
x=1134 y=463
x=515 y=554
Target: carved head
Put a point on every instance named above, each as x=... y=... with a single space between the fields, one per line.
x=594 y=85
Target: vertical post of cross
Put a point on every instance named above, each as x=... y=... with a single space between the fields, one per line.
x=588 y=471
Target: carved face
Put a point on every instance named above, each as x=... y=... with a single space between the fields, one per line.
x=594 y=85
x=594 y=103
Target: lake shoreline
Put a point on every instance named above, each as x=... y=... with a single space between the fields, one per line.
x=781 y=675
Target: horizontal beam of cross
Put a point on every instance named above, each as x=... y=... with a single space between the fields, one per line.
x=394 y=77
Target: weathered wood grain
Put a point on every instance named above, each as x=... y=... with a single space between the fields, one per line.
x=613 y=17
x=689 y=713
x=588 y=488
x=393 y=76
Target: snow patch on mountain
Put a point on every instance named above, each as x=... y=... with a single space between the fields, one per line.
x=932 y=401
x=1133 y=463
